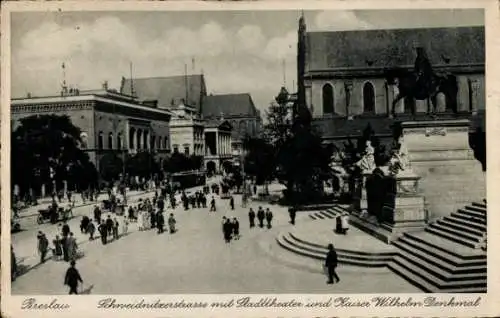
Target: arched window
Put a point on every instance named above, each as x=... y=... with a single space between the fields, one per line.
x=110 y=141
x=368 y=98
x=159 y=142
x=100 y=141
x=119 y=141
x=139 y=138
x=131 y=138
x=145 y=138
x=328 y=100
x=165 y=143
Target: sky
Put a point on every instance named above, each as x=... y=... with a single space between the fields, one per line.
x=237 y=51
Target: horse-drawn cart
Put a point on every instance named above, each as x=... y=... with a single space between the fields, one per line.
x=60 y=214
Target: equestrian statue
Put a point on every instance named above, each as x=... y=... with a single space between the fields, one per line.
x=421 y=84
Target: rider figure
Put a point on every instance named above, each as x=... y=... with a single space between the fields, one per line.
x=422 y=69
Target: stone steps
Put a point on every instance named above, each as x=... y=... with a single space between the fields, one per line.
x=472 y=214
x=455 y=232
x=314 y=251
x=326 y=214
x=451 y=237
x=464 y=222
x=460 y=227
x=476 y=208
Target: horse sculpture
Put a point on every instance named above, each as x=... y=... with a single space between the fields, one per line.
x=416 y=87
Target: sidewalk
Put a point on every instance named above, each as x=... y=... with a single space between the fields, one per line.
x=33 y=210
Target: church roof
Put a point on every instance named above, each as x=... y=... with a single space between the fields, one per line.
x=393 y=48
x=229 y=105
x=170 y=91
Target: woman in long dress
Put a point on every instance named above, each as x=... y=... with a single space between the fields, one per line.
x=140 y=220
x=72 y=247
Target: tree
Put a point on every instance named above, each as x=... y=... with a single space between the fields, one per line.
x=46 y=150
x=143 y=165
x=110 y=166
x=260 y=159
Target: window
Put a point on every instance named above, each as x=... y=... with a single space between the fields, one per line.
x=368 y=98
x=110 y=141
x=119 y=141
x=100 y=141
x=145 y=139
x=139 y=138
x=328 y=101
x=131 y=138
x=159 y=143
x=176 y=149
x=186 y=151
x=165 y=142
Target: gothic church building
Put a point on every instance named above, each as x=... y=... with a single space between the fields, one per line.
x=342 y=75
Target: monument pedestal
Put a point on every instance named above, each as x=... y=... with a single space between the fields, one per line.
x=440 y=154
x=403 y=211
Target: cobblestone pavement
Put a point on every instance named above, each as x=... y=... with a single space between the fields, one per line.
x=193 y=260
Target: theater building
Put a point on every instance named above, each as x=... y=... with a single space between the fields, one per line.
x=342 y=75
x=109 y=121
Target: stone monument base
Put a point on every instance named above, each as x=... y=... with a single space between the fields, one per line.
x=407 y=212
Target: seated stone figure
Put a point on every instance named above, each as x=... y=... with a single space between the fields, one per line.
x=367 y=162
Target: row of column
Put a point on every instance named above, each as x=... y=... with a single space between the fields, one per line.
x=223 y=144
x=140 y=139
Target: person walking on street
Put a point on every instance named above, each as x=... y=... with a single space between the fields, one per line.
x=72 y=247
x=251 y=217
x=223 y=227
x=58 y=251
x=231 y=202
x=269 y=218
x=160 y=221
x=97 y=214
x=292 y=211
x=91 y=230
x=212 y=205
x=236 y=229
x=65 y=229
x=115 y=229
x=109 y=225
x=103 y=230
x=171 y=223
x=228 y=228
x=72 y=278
x=331 y=264
x=43 y=246
x=260 y=216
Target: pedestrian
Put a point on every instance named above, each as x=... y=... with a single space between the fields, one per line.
x=103 y=230
x=171 y=223
x=160 y=222
x=292 y=212
x=72 y=278
x=125 y=227
x=84 y=224
x=331 y=264
x=227 y=228
x=231 y=202
x=115 y=229
x=269 y=218
x=260 y=216
x=223 y=227
x=212 y=205
x=97 y=214
x=72 y=247
x=43 y=246
x=109 y=225
x=13 y=264
x=91 y=230
x=236 y=229
x=251 y=217
x=345 y=222
x=153 y=217
x=65 y=229
x=64 y=244
x=58 y=251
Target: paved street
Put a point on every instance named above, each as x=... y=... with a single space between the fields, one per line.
x=194 y=260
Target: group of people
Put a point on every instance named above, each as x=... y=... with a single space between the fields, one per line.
x=64 y=245
x=230 y=229
x=261 y=215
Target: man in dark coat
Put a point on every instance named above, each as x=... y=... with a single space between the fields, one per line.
x=269 y=218
x=160 y=222
x=231 y=202
x=292 y=212
x=103 y=230
x=331 y=264
x=228 y=229
x=260 y=216
x=84 y=224
x=212 y=205
x=251 y=217
x=109 y=225
x=97 y=214
x=72 y=278
x=236 y=229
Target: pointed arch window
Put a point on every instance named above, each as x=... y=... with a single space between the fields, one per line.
x=100 y=140
x=328 y=99
x=119 y=141
x=110 y=140
x=368 y=98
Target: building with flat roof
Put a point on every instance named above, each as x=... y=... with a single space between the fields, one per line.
x=109 y=121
